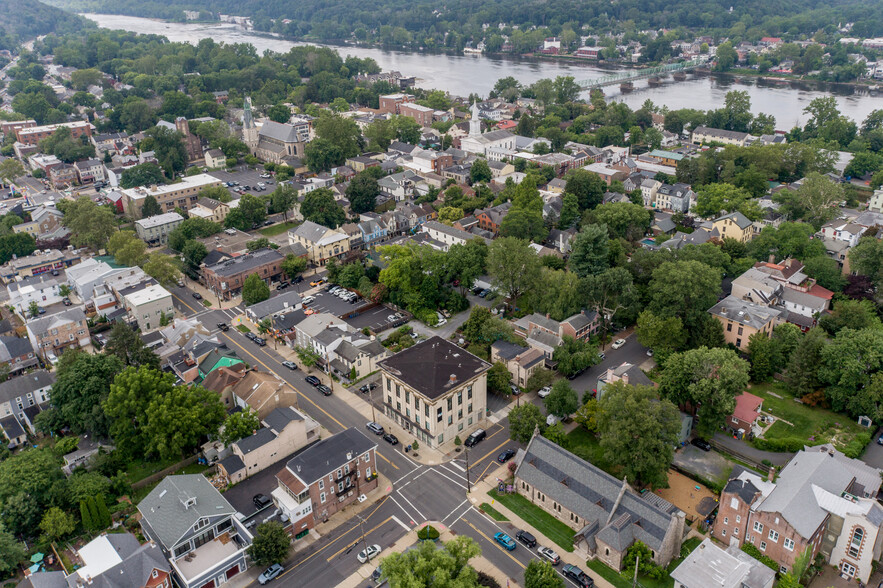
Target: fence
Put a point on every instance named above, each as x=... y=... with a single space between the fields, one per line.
x=162 y=474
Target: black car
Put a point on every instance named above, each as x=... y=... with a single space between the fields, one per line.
x=282 y=285
x=391 y=439
x=526 y=538
x=577 y=576
x=506 y=456
x=250 y=335
x=261 y=501
x=324 y=389
x=66 y=301
x=298 y=279
x=313 y=380
x=702 y=444
x=260 y=341
x=267 y=223
x=364 y=389
x=223 y=326
x=197 y=295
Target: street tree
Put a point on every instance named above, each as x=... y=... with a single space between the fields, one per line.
x=10 y=169
x=425 y=565
x=293 y=266
x=254 y=290
x=638 y=432
x=498 y=378
x=541 y=574
x=162 y=268
x=575 y=355
x=611 y=293
x=562 y=401
x=81 y=386
x=513 y=266
x=283 y=199
x=707 y=380
x=523 y=420
x=193 y=253
x=271 y=544
x=590 y=250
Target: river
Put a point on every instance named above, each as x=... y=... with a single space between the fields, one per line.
x=463 y=74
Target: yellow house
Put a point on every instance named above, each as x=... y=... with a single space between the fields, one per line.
x=320 y=242
x=734 y=226
x=211 y=209
x=742 y=319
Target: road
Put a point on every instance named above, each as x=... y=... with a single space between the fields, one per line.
x=632 y=352
x=419 y=492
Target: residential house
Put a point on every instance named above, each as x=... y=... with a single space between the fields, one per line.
x=676 y=198
x=398 y=186
x=51 y=334
x=744 y=419
x=227 y=278
x=607 y=516
x=709 y=566
x=843 y=230
x=155 y=229
x=43 y=290
x=197 y=530
x=446 y=235
x=734 y=226
x=702 y=134
x=742 y=319
x=44 y=221
x=149 y=306
x=626 y=373
x=605 y=172
x=545 y=333
x=274 y=307
x=649 y=187
x=210 y=209
x=21 y=400
x=285 y=430
x=435 y=390
x=360 y=355
x=320 y=242
x=90 y=171
x=372 y=232
x=490 y=219
x=522 y=362
x=324 y=479
x=17 y=353
x=83 y=455
x=262 y=392
x=215 y=158
x=822 y=501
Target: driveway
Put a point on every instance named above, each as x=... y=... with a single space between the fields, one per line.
x=873 y=455
x=708 y=465
x=744 y=449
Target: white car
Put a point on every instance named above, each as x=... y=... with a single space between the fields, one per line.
x=308 y=300
x=618 y=343
x=544 y=391
x=369 y=553
x=549 y=554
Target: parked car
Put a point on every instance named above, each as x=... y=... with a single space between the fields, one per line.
x=260 y=341
x=318 y=282
x=506 y=455
x=484 y=293
x=308 y=300
x=261 y=501
x=197 y=295
x=649 y=353
x=473 y=439
x=702 y=444
x=333 y=289
x=223 y=326
x=290 y=365
x=282 y=285
x=364 y=389
x=375 y=428
x=270 y=573
x=505 y=540
x=313 y=380
x=544 y=391
x=324 y=389
x=66 y=301
x=549 y=554
x=368 y=553
x=391 y=439
x=618 y=343
x=375 y=575
x=251 y=336
x=577 y=576
x=880 y=440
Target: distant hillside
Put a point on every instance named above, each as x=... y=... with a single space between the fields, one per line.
x=24 y=19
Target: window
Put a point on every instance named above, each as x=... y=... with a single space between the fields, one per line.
x=322 y=498
x=774 y=536
x=339 y=474
x=346 y=469
x=407 y=396
x=426 y=410
x=366 y=458
x=729 y=327
x=739 y=332
x=469 y=393
x=856 y=543
x=723 y=532
x=200 y=524
x=340 y=486
x=450 y=404
x=460 y=397
x=439 y=415
x=763 y=545
x=738 y=518
x=389 y=385
x=469 y=409
x=368 y=472
x=736 y=532
x=789 y=544
x=738 y=342
x=783 y=570
x=726 y=520
x=758 y=527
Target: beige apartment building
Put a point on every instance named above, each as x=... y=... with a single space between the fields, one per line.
x=741 y=319
x=183 y=194
x=320 y=242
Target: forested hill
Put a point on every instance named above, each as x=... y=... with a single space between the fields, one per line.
x=24 y=19
x=425 y=22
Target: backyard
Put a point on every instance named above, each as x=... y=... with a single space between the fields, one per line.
x=278 y=229
x=620 y=581
x=810 y=425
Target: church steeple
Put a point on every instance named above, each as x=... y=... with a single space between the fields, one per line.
x=249 y=129
x=475 y=122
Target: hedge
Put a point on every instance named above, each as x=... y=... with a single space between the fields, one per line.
x=759 y=556
x=428 y=532
x=782 y=445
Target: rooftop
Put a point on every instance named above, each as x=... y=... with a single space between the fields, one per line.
x=197 y=181
x=434 y=366
x=709 y=566
x=329 y=454
x=744 y=312
x=246 y=263
x=148 y=294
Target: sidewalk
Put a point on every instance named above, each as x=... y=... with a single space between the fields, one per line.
x=479 y=494
x=208 y=295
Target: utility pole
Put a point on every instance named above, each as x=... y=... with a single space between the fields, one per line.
x=635 y=579
x=468 y=484
x=362 y=530
x=371 y=401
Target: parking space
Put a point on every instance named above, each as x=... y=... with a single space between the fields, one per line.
x=246 y=177
x=325 y=302
x=376 y=319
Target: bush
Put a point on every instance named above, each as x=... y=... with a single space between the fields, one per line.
x=426 y=316
x=428 y=533
x=855 y=447
x=759 y=556
x=783 y=445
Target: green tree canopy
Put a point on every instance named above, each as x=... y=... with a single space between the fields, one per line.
x=254 y=290
x=271 y=544
x=523 y=420
x=320 y=207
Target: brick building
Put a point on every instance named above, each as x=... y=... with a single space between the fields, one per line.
x=31 y=135
x=227 y=278
x=392 y=103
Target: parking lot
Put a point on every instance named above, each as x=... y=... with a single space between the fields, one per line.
x=246 y=177
x=375 y=319
x=332 y=304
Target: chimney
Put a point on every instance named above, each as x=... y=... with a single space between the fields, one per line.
x=453 y=379
x=547 y=315
x=771 y=474
x=772 y=258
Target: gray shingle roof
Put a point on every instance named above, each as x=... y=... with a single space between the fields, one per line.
x=255 y=440
x=280 y=417
x=246 y=262
x=329 y=454
x=20 y=386
x=744 y=312
x=279 y=131
x=740 y=219
x=428 y=366
x=16 y=346
x=277 y=303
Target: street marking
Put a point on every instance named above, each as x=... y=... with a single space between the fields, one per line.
x=408 y=474
x=380 y=455
x=494 y=450
x=402 y=496
x=484 y=472
x=407 y=514
x=368 y=532
x=458 y=483
x=456 y=465
x=453 y=473
x=404 y=526
x=455 y=510
x=184 y=303
x=500 y=547
x=463 y=514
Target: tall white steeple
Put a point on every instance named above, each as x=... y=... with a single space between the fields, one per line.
x=475 y=122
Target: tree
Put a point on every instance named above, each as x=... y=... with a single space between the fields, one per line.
x=569 y=211
x=466 y=262
x=818 y=196
x=725 y=56
x=562 y=401
x=131 y=393
x=342 y=133
x=169 y=148
x=523 y=420
x=10 y=169
x=826 y=272
x=84 y=484
x=610 y=293
x=256 y=244
x=254 y=290
x=292 y=266
x=321 y=154
x=193 y=253
x=449 y=215
x=480 y=171
x=239 y=425
x=498 y=378
x=271 y=544
x=761 y=351
x=587 y=415
x=150 y=207
x=33 y=473
x=178 y=421
x=145 y=174
x=362 y=193
x=56 y=523
x=320 y=207
x=250 y=213
x=803 y=366
x=588 y=188
x=684 y=289
x=638 y=432
x=14 y=552
x=589 y=251
x=426 y=564
x=713 y=199
x=21 y=514
x=866 y=259
x=279 y=113
x=851 y=365
x=33 y=309
x=513 y=266
x=575 y=355
x=66 y=147
x=162 y=268
x=126 y=344
x=81 y=386
x=283 y=200
x=127 y=248
x=851 y=314
x=708 y=380
x=622 y=219
x=541 y=574
x=90 y=225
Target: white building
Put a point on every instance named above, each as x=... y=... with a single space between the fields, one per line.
x=42 y=289
x=843 y=230
x=156 y=229
x=148 y=305
x=480 y=143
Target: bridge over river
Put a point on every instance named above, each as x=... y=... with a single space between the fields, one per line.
x=624 y=79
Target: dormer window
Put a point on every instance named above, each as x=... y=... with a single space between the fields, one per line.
x=200 y=524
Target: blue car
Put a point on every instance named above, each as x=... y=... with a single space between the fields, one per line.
x=505 y=540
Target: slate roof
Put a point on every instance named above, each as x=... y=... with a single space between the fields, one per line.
x=258 y=439
x=328 y=454
x=280 y=417
x=742 y=488
x=279 y=131
x=16 y=346
x=164 y=511
x=428 y=366
x=740 y=219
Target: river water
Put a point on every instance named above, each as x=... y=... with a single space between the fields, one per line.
x=463 y=74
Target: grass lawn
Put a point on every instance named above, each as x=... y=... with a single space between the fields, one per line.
x=813 y=424
x=274 y=230
x=585 y=445
x=140 y=469
x=552 y=528
x=243 y=329
x=492 y=512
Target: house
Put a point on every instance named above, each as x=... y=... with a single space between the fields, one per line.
x=745 y=415
x=606 y=515
x=90 y=171
x=149 y=306
x=522 y=362
x=545 y=333
x=626 y=373
x=197 y=530
x=227 y=278
x=445 y=235
x=324 y=479
x=435 y=389
x=843 y=230
x=155 y=229
x=361 y=356
x=649 y=187
x=262 y=392
x=273 y=307
x=709 y=566
x=285 y=430
x=215 y=158
x=399 y=186
x=51 y=334
x=42 y=290
x=320 y=242
x=734 y=226
x=822 y=501
x=490 y=219
x=81 y=457
x=18 y=353
x=676 y=198
x=605 y=172
x=742 y=319
x=210 y=209
x=702 y=134
x=45 y=223
x=22 y=399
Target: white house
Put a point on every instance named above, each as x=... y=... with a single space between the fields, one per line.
x=148 y=305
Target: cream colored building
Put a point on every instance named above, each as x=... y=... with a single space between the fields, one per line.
x=320 y=242
x=734 y=226
x=435 y=390
x=742 y=319
x=211 y=209
x=148 y=305
x=182 y=194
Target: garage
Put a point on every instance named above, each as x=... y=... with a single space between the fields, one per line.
x=232 y=571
